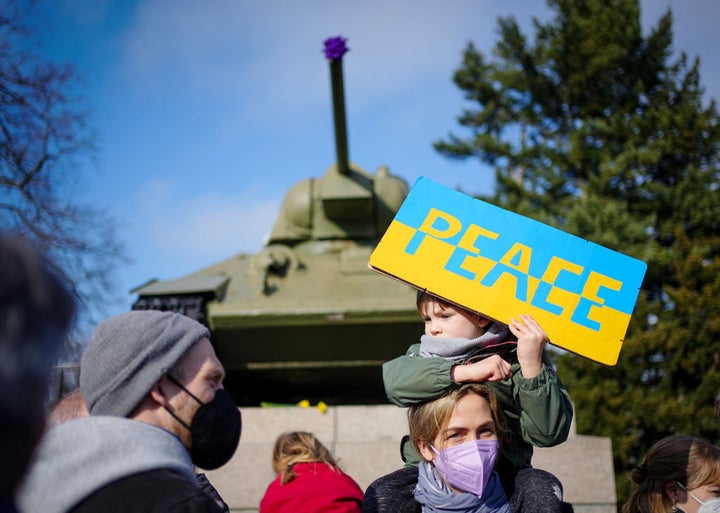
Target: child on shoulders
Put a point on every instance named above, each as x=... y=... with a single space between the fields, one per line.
x=462 y=346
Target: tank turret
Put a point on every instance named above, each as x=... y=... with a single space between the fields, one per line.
x=305 y=318
x=347 y=202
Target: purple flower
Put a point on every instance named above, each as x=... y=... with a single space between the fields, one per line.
x=335 y=47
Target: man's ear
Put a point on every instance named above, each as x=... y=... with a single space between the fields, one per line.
x=159 y=392
x=426 y=451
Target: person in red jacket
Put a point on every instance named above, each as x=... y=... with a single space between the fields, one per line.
x=308 y=479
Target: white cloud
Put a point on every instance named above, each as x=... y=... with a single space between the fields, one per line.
x=182 y=234
x=274 y=48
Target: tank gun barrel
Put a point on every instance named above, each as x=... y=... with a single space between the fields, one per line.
x=335 y=48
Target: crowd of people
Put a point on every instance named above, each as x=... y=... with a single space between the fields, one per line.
x=151 y=411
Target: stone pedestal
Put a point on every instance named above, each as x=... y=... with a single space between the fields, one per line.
x=366 y=442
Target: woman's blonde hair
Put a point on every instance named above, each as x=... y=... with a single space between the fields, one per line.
x=298 y=447
x=689 y=460
x=426 y=420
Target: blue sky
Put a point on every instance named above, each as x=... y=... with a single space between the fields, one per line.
x=208 y=112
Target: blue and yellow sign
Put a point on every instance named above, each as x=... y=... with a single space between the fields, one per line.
x=503 y=264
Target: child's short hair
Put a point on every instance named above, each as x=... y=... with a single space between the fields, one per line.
x=423 y=295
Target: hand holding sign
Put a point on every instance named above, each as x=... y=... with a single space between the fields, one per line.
x=531 y=344
x=500 y=263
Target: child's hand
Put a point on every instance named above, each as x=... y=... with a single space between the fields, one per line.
x=492 y=368
x=531 y=344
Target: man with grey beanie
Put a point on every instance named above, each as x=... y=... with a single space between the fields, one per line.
x=153 y=386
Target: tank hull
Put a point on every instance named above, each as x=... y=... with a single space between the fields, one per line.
x=318 y=329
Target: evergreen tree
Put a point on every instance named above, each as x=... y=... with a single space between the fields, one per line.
x=595 y=129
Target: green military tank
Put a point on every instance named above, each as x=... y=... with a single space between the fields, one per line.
x=304 y=318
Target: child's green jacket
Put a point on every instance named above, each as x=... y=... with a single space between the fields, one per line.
x=538 y=411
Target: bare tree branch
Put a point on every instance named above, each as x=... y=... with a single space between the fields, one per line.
x=45 y=145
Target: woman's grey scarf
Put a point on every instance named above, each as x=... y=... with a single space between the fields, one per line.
x=435 y=496
x=458 y=349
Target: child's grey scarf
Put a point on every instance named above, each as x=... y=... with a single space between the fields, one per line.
x=458 y=349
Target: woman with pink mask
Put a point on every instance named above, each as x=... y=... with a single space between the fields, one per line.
x=457 y=436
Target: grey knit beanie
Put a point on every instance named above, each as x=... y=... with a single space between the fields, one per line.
x=129 y=353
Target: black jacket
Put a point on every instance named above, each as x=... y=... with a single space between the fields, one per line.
x=393 y=493
x=536 y=491
x=156 y=491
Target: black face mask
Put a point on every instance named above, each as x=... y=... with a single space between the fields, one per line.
x=214 y=430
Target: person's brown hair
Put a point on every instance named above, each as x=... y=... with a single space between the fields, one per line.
x=426 y=420
x=423 y=295
x=689 y=460
x=298 y=447
x=38 y=307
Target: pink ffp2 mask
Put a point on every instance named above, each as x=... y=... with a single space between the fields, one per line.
x=468 y=466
